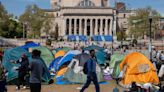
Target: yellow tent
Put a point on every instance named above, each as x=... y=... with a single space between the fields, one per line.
x=60 y=53
x=138 y=69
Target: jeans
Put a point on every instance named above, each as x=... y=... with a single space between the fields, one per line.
x=89 y=80
x=2 y=85
x=35 y=87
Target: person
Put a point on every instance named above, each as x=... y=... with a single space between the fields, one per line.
x=162 y=56
x=37 y=70
x=22 y=71
x=91 y=72
x=2 y=79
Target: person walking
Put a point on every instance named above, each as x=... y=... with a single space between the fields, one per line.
x=22 y=71
x=91 y=72
x=37 y=70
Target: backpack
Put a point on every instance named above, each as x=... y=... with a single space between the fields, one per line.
x=85 y=68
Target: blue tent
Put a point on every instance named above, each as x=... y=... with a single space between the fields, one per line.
x=54 y=63
x=67 y=57
x=14 y=54
x=29 y=45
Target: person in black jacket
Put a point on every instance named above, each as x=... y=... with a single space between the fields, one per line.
x=22 y=71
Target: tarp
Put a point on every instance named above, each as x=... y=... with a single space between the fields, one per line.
x=138 y=69
x=77 y=38
x=67 y=57
x=14 y=55
x=60 y=53
x=102 y=38
x=30 y=45
x=46 y=54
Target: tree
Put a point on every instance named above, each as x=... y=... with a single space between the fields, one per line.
x=9 y=26
x=35 y=18
x=139 y=22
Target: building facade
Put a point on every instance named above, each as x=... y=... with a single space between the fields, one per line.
x=83 y=17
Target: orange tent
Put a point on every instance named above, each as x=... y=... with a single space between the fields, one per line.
x=60 y=53
x=138 y=69
x=61 y=71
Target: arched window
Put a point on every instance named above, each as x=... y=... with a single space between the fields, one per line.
x=86 y=3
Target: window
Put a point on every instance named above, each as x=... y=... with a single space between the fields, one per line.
x=124 y=15
x=86 y=3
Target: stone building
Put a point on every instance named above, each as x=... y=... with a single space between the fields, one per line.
x=83 y=17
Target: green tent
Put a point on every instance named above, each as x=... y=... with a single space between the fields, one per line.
x=46 y=54
x=116 y=59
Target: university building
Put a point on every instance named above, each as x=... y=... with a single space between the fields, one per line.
x=84 y=17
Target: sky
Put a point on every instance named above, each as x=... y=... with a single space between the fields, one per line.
x=17 y=7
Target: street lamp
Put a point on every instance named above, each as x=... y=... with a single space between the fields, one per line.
x=150 y=27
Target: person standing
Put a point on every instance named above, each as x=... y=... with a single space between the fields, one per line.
x=37 y=70
x=2 y=79
x=22 y=71
x=91 y=72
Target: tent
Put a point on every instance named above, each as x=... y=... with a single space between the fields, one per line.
x=46 y=54
x=74 y=74
x=67 y=57
x=66 y=49
x=60 y=53
x=53 y=64
x=30 y=45
x=95 y=47
x=101 y=57
x=116 y=59
x=138 y=69
x=14 y=54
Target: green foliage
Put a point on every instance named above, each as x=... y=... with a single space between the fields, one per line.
x=139 y=23
x=35 y=18
x=121 y=35
x=9 y=27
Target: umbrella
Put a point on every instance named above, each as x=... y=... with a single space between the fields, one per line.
x=83 y=57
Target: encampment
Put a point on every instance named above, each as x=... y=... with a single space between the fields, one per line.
x=138 y=69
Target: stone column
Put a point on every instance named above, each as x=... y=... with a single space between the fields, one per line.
x=75 y=26
x=80 y=24
x=111 y=26
x=91 y=27
x=70 y=26
x=96 y=27
x=101 y=26
x=85 y=27
x=64 y=27
x=106 y=27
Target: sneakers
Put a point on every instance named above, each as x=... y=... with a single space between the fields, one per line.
x=24 y=87
x=17 y=88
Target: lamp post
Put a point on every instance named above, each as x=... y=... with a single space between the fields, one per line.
x=150 y=28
